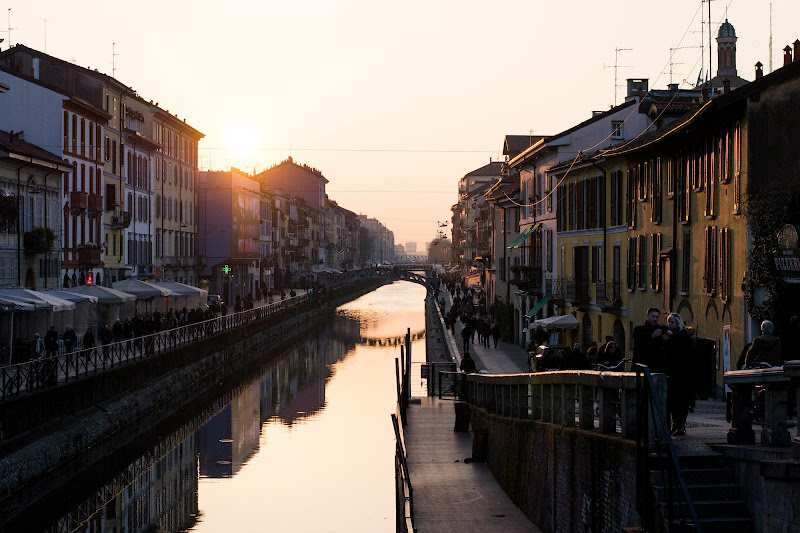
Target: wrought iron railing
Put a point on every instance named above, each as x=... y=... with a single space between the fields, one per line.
x=39 y=374
x=609 y=294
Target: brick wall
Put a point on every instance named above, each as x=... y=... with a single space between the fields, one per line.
x=564 y=480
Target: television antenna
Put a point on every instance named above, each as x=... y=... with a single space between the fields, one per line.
x=617 y=66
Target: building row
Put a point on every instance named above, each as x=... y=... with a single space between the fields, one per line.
x=98 y=184
x=682 y=200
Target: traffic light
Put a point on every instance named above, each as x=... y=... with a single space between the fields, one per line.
x=89 y=278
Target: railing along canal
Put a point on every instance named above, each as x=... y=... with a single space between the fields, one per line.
x=39 y=374
x=590 y=400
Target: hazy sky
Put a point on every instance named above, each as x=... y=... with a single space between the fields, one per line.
x=393 y=102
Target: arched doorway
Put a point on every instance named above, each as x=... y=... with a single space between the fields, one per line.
x=30 y=279
x=618 y=332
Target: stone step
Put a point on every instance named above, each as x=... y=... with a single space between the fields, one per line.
x=715 y=491
x=697 y=476
x=721 y=525
x=713 y=508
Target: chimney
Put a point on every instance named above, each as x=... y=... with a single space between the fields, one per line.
x=759 y=70
x=705 y=93
x=672 y=87
x=796 y=49
x=726 y=86
x=787 y=55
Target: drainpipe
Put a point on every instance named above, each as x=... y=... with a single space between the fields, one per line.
x=19 y=225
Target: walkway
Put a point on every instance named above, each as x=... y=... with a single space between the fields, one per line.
x=451 y=495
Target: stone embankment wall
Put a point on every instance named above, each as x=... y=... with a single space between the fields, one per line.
x=155 y=388
x=563 y=479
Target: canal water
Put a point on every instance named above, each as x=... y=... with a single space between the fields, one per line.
x=306 y=445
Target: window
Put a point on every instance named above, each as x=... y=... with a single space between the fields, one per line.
x=114 y=156
x=631 y=203
x=711 y=261
x=725 y=264
x=549 y=249
x=641 y=262
x=631 y=267
x=83 y=136
x=74 y=134
x=655 y=266
x=656 y=210
x=617 y=129
x=711 y=192
x=687 y=194
x=597 y=262
x=66 y=131
x=616 y=198
x=737 y=168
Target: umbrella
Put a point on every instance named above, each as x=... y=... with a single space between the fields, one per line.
x=104 y=295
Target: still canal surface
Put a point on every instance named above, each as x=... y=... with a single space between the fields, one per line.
x=306 y=445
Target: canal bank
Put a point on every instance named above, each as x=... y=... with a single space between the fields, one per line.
x=154 y=389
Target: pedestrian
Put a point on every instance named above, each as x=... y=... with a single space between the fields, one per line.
x=602 y=348
x=495 y=332
x=465 y=336
x=38 y=346
x=117 y=330
x=678 y=358
x=70 y=339
x=106 y=337
x=51 y=342
x=612 y=356
x=468 y=364
x=88 y=342
x=766 y=348
x=647 y=342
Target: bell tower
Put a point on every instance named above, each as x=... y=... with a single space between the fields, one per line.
x=726 y=51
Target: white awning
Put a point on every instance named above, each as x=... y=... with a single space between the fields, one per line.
x=141 y=289
x=557 y=322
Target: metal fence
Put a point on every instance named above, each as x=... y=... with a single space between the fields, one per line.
x=39 y=374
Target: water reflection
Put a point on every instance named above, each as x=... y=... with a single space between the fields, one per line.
x=305 y=446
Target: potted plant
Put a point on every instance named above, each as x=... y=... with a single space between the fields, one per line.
x=39 y=240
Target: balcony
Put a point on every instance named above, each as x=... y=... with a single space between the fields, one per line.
x=89 y=256
x=95 y=204
x=570 y=289
x=78 y=201
x=120 y=219
x=609 y=294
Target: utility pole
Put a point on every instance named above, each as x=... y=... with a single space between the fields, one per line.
x=770 y=36
x=616 y=67
x=672 y=54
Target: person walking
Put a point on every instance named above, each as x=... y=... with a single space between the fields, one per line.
x=678 y=358
x=106 y=336
x=465 y=336
x=88 y=342
x=70 y=339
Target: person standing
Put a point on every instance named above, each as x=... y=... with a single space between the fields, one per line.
x=70 y=338
x=38 y=346
x=678 y=359
x=647 y=342
x=465 y=336
x=106 y=337
x=51 y=341
x=88 y=341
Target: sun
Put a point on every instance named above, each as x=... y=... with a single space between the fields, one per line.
x=241 y=139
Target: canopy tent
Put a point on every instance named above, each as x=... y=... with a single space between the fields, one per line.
x=144 y=292
x=183 y=295
x=72 y=296
x=39 y=299
x=557 y=322
x=45 y=310
x=9 y=306
x=536 y=308
x=140 y=289
x=111 y=303
x=104 y=295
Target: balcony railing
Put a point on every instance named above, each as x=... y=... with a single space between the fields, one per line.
x=574 y=290
x=89 y=256
x=95 y=204
x=609 y=294
x=120 y=219
x=78 y=201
